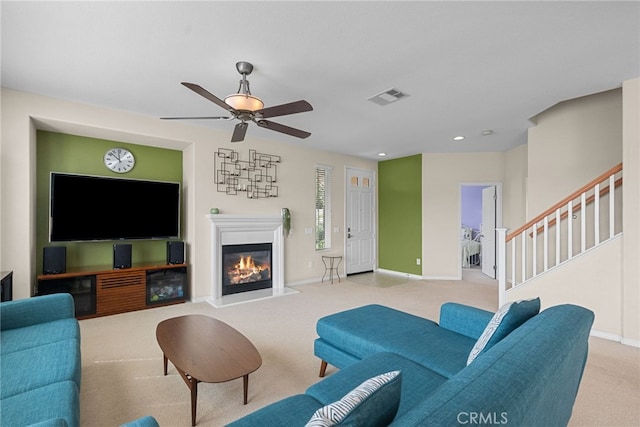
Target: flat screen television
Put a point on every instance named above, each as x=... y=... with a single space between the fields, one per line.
x=86 y=208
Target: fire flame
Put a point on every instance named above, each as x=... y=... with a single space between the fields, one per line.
x=246 y=263
x=246 y=271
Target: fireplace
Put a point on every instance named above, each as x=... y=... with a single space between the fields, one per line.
x=250 y=231
x=246 y=267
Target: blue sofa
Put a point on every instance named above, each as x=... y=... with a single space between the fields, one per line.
x=39 y=362
x=40 y=365
x=528 y=376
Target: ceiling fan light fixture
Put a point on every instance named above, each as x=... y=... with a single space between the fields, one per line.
x=244 y=102
x=247 y=108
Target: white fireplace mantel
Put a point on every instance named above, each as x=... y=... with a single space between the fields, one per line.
x=229 y=229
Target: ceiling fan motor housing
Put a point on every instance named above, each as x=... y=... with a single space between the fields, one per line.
x=244 y=67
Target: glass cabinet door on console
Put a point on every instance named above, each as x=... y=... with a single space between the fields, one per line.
x=81 y=288
x=167 y=285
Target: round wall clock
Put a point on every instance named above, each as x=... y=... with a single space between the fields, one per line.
x=119 y=160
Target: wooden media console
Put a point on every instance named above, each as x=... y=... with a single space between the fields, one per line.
x=102 y=291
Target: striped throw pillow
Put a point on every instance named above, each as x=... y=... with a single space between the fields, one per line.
x=504 y=321
x=373 y=403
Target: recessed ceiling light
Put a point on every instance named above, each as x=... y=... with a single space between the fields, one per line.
x=382 y=154
x=458 y=138
x=487 y=132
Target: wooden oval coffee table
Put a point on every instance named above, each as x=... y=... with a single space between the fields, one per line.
x=204 y=349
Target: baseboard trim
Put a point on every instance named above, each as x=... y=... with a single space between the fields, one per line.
x=398 y=273
x=630 y=342
x=614 y=337
x=309 y=281
x=418 y=276
x=442 y=277
x=605 y=335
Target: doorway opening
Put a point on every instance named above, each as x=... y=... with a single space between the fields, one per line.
x=480 y=215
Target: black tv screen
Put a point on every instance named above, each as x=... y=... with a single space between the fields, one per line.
x=86 y=207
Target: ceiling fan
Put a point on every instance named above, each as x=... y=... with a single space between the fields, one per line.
x=248 y=108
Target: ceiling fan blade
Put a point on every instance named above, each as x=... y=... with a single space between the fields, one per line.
x=239 y=132
x=284 y=109
x=197 y=118
x=282 y=128
x=205 y=93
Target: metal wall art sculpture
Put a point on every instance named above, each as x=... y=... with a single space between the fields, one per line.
x=255 y=177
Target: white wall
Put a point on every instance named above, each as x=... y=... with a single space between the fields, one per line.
x=22 y=112
x=591 y=280
x=442 y=176
x=515 y=187
x=572 y=143
x=631 y=213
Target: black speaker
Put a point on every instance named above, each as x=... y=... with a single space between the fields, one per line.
x=54 y=260
x=122 y=256
x=175 y=252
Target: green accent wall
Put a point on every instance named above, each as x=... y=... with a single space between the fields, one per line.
x=57 y=152
x=400 y=214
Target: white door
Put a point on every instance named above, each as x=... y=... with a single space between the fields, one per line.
x=488 y=232
x=360 y=221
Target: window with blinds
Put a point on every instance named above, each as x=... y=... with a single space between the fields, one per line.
x=323 y=207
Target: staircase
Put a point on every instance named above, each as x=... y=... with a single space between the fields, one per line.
x=580 y=223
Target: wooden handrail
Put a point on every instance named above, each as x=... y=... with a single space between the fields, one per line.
x=577 y=208
x=566 y=200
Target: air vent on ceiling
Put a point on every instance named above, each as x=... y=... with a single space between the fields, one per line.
x=388 y=96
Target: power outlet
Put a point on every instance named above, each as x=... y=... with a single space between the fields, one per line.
x=417 y=261
x=310 y=264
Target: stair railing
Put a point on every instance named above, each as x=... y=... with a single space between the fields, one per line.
x=581 y=221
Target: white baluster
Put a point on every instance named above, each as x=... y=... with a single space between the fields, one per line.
x=524 y=255
x=534 y=251
x=596 y=214
x=545 y=261
x=583 y=222
x=558 y=248
x=570 y=229
x=612 y=209
x=513 y=261
x=502 y=271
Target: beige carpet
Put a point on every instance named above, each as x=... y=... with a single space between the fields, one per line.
x=122 y=363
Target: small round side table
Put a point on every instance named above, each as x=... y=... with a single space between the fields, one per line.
x=331 y=264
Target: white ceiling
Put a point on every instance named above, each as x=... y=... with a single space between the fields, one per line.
x=467 y=66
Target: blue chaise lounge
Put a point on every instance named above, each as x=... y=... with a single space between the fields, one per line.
x=514 y=367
